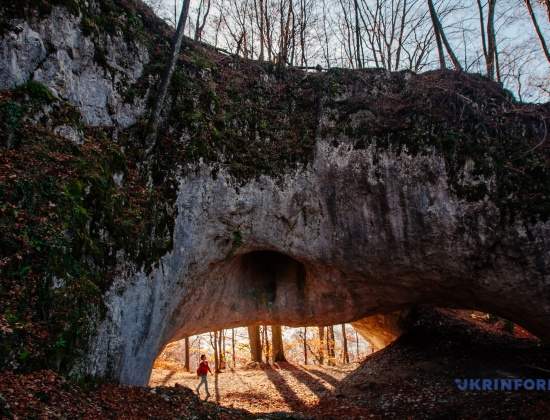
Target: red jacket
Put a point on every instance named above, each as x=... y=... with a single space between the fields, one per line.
x=203 y=368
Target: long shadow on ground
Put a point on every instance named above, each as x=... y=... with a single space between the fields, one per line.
x=414 y=377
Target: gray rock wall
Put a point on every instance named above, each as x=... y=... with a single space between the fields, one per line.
x=55 y=51
x=360 y=238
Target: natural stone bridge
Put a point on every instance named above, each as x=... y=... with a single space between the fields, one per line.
x=357 y=233
x=397 y=189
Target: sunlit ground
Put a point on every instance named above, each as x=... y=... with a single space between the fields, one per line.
x=284 y=387
x=290 y=387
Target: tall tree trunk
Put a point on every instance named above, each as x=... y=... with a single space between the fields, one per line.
x=322 y=345
x=345 y=345
x=537 y=30
x=223 y=344
x=305 y=346
x=197 y=22
x=491 y=39
x=482 y=30
x=220 y=352
x=216 y=358
x=154 y=121
x=255 y=342
x=233 y=348
x=437 y=23
x=266 y=345
x=260 y=15
x=435 y=27
x=331 y=346
x=187 y=364
x=277 y=339
x=357 y=36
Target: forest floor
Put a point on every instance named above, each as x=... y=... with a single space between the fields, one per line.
x=413 y=378
x=283 y=387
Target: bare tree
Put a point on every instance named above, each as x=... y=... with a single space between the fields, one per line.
x=321 y=357
x=214 y=344
x=305 y=345
x=187 y=368
x=278 y=349
x=345 y=354
x=154 y=121
x=492 y=51
x=255 y=343
x=234 y=358
x=202 y=15
x=537 y=29
x=266 y=345
x=331 y=346
x=442 y=38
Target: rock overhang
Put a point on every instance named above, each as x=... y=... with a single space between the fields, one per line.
x=374 y=191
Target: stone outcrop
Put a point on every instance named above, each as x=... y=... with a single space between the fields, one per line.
x=73 y=68
x=383 y=214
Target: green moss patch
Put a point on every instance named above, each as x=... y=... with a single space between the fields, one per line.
x=65 y=226
x=469 y=119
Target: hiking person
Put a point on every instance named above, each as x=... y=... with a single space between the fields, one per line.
x=202 y=373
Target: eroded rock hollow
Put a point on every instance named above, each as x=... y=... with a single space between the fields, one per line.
x=389 y=190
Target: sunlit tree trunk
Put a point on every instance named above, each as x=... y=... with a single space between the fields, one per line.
x=331 y=346
x=321 y=345
x=187 y=367
x=345 y=354
x=305 y=346
x=255 y=343
x=233 y=348
x=220 y=352
x=278 y=348
x=266 y=344
x=216 y=358
x=223 y=345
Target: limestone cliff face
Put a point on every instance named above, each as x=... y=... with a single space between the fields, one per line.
x=57 y=52
x=399 y=201
x=330 y=250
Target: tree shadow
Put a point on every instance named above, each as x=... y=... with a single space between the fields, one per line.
x=324 y=376
x=313 y=383
x=168 y=377
x=284 y=390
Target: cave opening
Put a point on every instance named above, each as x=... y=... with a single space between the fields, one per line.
x=329 y=350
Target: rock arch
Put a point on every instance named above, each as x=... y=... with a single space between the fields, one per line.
x=357 y=233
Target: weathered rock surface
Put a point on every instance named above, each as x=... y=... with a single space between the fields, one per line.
x=363 y=228
x=69 y=66
x=332 y=243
